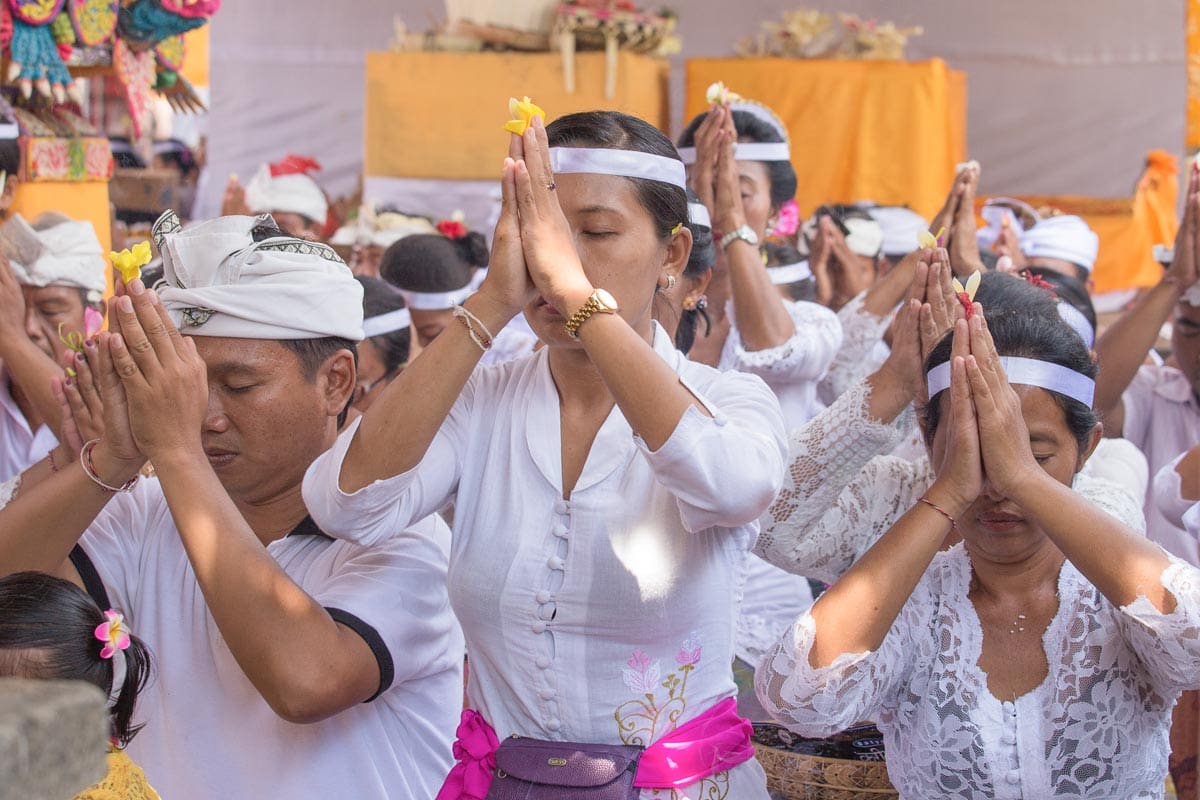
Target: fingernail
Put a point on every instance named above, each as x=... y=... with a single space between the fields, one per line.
x=116 y=342
x=90 y=343
x=154 y=297
x=125 y=304
x=136 y=286
x=79 y=359
x=68 y=383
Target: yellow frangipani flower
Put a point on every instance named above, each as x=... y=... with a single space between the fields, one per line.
x=718 y=94
x=523 y=111
x=130 y=262
x=928 y=241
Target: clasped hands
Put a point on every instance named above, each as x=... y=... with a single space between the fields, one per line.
x=533 y=249
x=141 y=389
x=714 y=176
x=986 y=435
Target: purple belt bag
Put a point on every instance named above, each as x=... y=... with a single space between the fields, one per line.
x=533 y=769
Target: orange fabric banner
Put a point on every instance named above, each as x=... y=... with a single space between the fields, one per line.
x=440 y=115
x=888 y=131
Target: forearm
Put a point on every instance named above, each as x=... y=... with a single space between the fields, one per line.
x=32 y=370
x=1120 y=563
x=43 y=523
x=646 y=389
x=762 y=320
x=1123 y=347
x=279 y=635
x=887 y=292
x=398 y=428
x=890 y=394
x=857 y=612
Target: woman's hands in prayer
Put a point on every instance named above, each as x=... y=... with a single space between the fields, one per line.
x=163 y=377
x=964 y=241
x=1185 y=265
x=960 y=475
x=508 y=283
x=551 y=259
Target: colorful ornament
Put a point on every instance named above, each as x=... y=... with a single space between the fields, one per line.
x=95 y=21
x=966 y=294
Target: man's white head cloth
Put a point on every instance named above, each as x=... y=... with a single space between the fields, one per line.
x=285 y=187
x=71 y=256
x=1066 y=237
x=900 y=228
x=218 y=281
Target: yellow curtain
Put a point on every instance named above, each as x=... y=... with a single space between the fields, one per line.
x=888 y=131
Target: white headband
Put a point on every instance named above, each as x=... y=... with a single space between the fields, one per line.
x=698 y=215
x=622 y=163
x=1077 y=322
x=436 y=301
x=789 y=273
x=763 y=113
x=390 y=322
x=1028 y=372
x=748 y=151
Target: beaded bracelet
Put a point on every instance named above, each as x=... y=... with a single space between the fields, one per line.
x=89 y=469
x=469 y=320
x=938 y=509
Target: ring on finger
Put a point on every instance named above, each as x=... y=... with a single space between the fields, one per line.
x=551 y=185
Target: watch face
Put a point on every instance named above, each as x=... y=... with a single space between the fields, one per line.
x=606 y=299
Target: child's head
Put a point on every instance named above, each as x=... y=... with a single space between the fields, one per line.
x=48 y=631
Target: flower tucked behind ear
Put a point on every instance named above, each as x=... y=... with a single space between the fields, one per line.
x=789 y=219
x=112 y=632
x=523 y=111
x=966 y=294
x=130 y=262
x=928 y=241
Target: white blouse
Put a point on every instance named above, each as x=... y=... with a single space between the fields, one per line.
x=1096 y=727
x=840 y=495
x=608 y=617
x=794 y=368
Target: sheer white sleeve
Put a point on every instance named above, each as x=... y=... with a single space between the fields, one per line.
x=861 y=331
x=1168 y=644
x=8 y=490
x=837 y=497
x=1112 y=498
x=820 y=702
x=803 y=357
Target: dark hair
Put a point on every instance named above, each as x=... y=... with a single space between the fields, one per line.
x=613 y=130
x=1069 y=290
x=781 y=254
x=380 y=297
x=755 y=129
x=10 y=157
x=700 y=261
x=1024 y=321
x=47 y=631
x=430 y=262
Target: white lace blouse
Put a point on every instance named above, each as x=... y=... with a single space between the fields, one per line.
x=1096 y=727
x=840 y=495
x=608 y=617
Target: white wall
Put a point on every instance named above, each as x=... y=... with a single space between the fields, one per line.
x=1065 y=96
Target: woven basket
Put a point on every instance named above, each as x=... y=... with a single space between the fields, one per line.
x=796 y=776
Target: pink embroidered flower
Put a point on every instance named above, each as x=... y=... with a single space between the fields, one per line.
x=641 y=675
x=689 y=652
x=789 y=219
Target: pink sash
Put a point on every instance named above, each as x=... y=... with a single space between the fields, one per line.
x=716 y=741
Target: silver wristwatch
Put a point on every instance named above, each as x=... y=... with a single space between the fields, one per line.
x=743 y=232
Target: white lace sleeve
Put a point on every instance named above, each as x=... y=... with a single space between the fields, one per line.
x=8 y=490
x=1168 y=644
x=861 y=331
x=1112 y=498
x=804 y=357
x=836 y=501
x=821 y=702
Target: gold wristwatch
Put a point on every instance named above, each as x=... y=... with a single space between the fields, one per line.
x=600 y=302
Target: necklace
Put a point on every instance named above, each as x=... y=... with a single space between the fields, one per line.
x=1018 y=625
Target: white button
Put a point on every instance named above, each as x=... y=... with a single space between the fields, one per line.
x=560 y=507
x=554 y=562
x=560 y=531
x=553 y=724
x=543 y=596
x=538 y=627
x=1010 y=737
x=547 y=694
x=1014 y=776
x=721 y=420
x=1009 y=708
x=543 y=662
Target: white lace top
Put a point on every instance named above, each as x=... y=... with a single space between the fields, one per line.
x=840 y=495
x=1096 y=727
